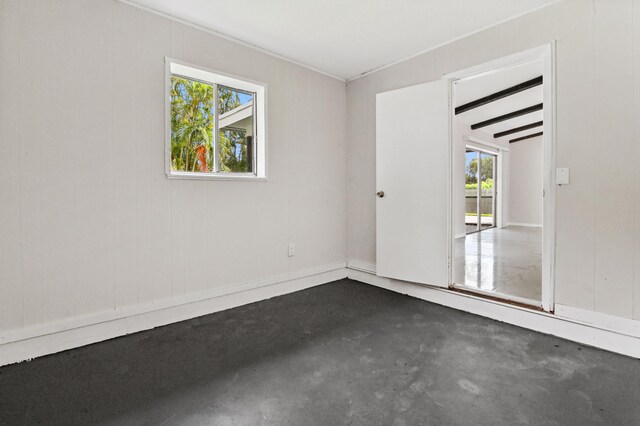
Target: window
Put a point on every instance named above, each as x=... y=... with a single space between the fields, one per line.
x=216 y=125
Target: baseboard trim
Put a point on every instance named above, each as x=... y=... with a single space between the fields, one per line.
x=611 y=323
x=36 y=341
x=528 y=225
x=598 y=333
x=359 y=265
x=603 y=331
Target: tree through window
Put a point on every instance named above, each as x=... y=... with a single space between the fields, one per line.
x=212 y=126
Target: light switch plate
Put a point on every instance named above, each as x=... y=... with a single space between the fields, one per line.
x=562 y=176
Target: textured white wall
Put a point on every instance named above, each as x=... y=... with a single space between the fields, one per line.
x=89 y=223
x=525 y=193
x=598 y=105
x=88 y=220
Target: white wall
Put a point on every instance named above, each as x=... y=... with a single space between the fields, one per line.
x=598 y=104
x=89 y=222
x=525 y=193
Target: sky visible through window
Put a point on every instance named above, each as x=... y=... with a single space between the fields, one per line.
x=244 y=98
x=471 y=155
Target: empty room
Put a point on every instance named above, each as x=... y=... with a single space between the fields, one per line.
x=380 y=212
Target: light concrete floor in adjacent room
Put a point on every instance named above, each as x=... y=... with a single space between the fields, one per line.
x=505 y=261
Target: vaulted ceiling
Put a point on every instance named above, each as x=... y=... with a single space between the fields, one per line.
x=506 y=104
x=341 y=38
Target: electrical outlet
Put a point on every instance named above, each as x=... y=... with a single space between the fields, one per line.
x=292 y=249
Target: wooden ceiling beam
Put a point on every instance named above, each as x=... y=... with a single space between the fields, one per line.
x=534 y=135
x=506 y=117
x=499 y=95
x=517 y=129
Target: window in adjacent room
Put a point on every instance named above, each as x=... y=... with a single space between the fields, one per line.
x=216 y=125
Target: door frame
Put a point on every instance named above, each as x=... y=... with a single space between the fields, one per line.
x=547 y=54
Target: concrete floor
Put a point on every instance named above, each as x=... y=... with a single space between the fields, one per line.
x=340 y=353
x=474 y=228
x=471 y=223
x=505 y=261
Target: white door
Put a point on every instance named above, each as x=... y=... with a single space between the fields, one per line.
x=412 y=177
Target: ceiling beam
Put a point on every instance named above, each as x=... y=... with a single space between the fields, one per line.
x=534 y=135
x=506 y=117
x=499 y=95
x=517 y=129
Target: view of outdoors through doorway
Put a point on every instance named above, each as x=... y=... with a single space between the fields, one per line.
x=480 y=200
x=498 y=160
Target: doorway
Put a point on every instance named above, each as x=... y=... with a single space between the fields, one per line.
x=503 y=109
x=421 y=204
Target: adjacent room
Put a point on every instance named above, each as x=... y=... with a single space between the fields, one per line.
x=498 y=176
x=369 y=212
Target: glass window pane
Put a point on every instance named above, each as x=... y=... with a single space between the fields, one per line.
x=471 y=191
x=236 y=135
x=487 y=203
x=192 y=120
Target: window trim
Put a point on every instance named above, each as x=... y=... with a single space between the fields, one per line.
x=214 y=77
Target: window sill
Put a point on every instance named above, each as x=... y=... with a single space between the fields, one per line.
x=247 y=177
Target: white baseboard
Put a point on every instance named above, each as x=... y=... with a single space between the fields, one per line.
x=528 y=225
x=611 y=323
x=35 y=341
x=361 y=265
x=590 y=330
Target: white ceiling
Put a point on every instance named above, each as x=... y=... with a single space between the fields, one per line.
x=470 y=89
x=475 y=88
x=344 y=38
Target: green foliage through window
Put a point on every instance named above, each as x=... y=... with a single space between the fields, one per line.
x=486 y=184
x=486 y=170
x=192 y=122
x=193 y=147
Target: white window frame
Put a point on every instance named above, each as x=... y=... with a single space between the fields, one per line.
x=190 y=71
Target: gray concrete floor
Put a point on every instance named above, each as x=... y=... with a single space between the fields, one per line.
x=340 y=353
x=505 y=261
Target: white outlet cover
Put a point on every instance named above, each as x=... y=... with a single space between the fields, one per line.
x=562 y=176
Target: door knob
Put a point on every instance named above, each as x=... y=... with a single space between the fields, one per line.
x=380 y=194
